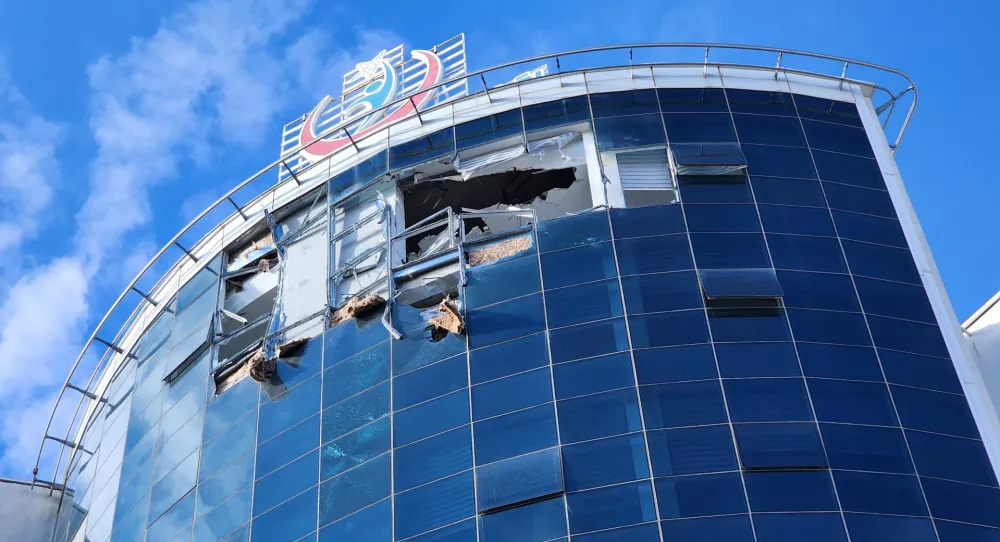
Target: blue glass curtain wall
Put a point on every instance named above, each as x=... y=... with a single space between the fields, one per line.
x=757 y=362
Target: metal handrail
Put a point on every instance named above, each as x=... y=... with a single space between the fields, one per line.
x=780 y=52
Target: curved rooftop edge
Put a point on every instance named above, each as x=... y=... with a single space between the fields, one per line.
x=776 y=70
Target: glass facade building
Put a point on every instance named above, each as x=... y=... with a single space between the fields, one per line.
x=741 y=350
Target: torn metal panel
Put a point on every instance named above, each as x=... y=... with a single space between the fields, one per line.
x=432 y=284
x=303 y=286
x=546 y=153
x=497 y=251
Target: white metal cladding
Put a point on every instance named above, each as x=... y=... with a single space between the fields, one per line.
x=644 y=170
x=751 y=76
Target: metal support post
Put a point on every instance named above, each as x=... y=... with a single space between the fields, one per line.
x=486 y=88
x=351 y=139
x=292 y=173
x=186 y=251
x=237 y=207
x=144 y=296
x=417 y=111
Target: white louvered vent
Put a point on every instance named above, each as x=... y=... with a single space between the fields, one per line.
x=644 y=170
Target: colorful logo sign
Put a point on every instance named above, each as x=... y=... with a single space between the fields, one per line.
x=381 y=84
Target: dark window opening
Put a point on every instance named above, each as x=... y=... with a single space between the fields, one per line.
x=517 y=187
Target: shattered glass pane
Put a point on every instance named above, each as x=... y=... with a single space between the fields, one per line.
x=583 y=229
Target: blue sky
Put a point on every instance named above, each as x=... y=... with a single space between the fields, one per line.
x=120 y=120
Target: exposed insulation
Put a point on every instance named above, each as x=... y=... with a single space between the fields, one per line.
x=261 y=368
x=292 y=347
x=229 y=381
x=498 y=251
x=448 y=318
x=263 y=265
x=356 y=306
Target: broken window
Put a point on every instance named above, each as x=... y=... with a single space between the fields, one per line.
x=251 y=284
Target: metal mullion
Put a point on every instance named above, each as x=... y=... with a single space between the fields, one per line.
x=635 y=374
x=791 y=334
x=864 y=316
x=468 y=375
x=552 y=378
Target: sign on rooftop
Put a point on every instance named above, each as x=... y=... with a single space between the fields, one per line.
x=372 y=85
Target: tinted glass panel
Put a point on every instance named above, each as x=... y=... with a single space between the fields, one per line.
x=871 y=528
x=488 y=284
x=779 y=161
x=879 y=493
x=515 y=434
x=790 y=491
x=629 y=102
x=286 y=482
x=920 y=371
x=678 y=100
x=355 y=489
x=743 y=360
x=797 y=220
x=429 y=382
x=686 y=404
x=668 y=329
x=706 y=128
x=587 y=340
x=359 y=410
x=662 y=292
x=873 y=229
x=692 y=450
x=431 y=418
x=627 y=132
x=729 y=528
x=962 y=502
x=577 y=265
x=600 y=415
x=845 y=169
x=519 y=479
x=437 y=145
x=289 y=408
x=852 y=402
x=859 y=200
x=496 y=126
x=952 y=458
x=289 y=521
x=729 y=250
x=894 y=299
x=610 y=507
x=881 y=262
x=556 y=113
x=812 y=527
x=837 y=138
x=907 y=336
x=827 y=110
x=779 y=445
x=934 y=411
x=653 y=254
x=584 y=303
x=604 y=462
x=508 y=358
x=434 y=505
x=875 y=449
x=761 y=102
x=511 y=393
x=662 y=365
x=592 y=375
x=769 y=130
x=834 y=361
x=506 y=320
x=373 y=524
x=829 y=327
x=722 y=218
x=537 y=522
x=572 y=231
x=806 y=253
x=748 y=324
x=649 y=220
x=787 y=191
x=704 y=495
x=355 y=448
x=767 y=400
x=433 y=458
x=818 y=291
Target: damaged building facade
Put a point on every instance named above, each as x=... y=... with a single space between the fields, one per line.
x=643 y=302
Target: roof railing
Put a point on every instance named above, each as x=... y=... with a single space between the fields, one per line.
x=88 y=391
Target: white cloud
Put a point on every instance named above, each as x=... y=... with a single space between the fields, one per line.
x=29 y=170
x=213 y=72
x=318 y=68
